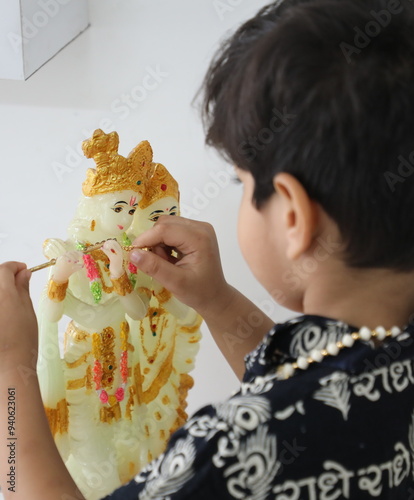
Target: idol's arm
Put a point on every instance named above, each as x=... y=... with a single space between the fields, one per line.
x=134 y=304
x=66 y=265
x=30 y=465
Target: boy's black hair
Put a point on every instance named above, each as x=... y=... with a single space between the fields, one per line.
x=324 y=90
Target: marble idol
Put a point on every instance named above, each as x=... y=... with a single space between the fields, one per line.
x=114 y=384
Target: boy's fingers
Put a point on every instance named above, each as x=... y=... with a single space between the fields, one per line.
x=8 y=273
x=175 y=232
x=159 y=234
x=156 y=267
x=23 y=278
x=170 y=231
x=13 y=267
x=166 y=253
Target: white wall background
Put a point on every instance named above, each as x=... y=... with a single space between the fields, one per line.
x=45 y=119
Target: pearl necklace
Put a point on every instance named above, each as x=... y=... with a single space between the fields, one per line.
x=286 y=370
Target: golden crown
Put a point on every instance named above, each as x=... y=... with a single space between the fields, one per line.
x=114 y=172
x=160 y=184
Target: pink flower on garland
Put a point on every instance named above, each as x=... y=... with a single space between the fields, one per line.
x=91 y=267
x=103 y=397
x=124 y=366
x=97 y=377
x=120 y=394
x=132 y=268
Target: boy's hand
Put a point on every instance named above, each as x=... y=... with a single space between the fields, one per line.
x=195 y=275
x=39 y=468
x=18 y=325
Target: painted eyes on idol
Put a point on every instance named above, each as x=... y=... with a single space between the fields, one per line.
x=155 y=215
x=119 y=209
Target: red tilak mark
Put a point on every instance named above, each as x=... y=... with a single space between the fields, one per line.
x=113 y=251
x=132 y=200
x=164 y=187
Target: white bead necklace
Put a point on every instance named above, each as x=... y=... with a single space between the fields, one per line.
x=286 y=370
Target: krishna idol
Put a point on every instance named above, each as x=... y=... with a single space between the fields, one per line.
x=114 y=385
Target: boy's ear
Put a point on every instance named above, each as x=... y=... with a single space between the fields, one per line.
x=298 y=212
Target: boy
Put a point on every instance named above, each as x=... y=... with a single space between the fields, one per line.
x=314 y=102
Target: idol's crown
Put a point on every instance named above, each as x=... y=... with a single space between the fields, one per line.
x=115 y=172
x=160 y=184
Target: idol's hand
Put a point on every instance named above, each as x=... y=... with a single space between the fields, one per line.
x=18 y=325
x=53 y=248
x=195 y=275
x=115 y=255
x=66 y=265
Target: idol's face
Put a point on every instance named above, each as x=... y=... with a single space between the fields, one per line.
x=117 y=212
x=149 y=215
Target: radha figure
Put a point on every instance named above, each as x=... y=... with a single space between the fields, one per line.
x=167 y=339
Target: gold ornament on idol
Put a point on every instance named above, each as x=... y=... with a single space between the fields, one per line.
x=114 y=172
x=57 y=291
x=153 y=317
x=122 y=285
x=160 y=184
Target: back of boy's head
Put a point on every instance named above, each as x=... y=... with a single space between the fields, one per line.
x=324 y=90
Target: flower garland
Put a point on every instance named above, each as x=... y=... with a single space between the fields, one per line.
x=92 y=271
x=133 y=270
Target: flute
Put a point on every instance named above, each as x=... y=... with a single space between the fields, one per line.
x=87 y=250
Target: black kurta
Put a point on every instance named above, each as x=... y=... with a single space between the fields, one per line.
x=344 y=428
